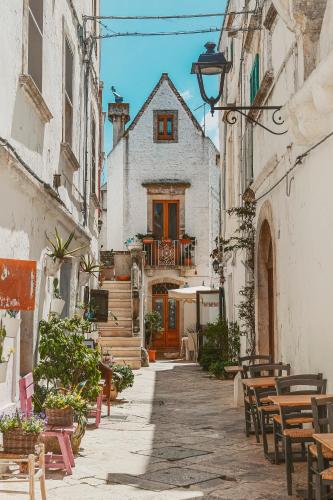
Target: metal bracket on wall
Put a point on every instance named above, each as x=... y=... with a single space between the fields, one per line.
x=231 y=117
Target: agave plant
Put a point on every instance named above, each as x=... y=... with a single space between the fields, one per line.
x=88 y=265
x=61 y=247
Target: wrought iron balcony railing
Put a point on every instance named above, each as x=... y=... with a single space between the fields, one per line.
x=170 y=253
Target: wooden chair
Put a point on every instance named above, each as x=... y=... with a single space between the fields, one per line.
x=106 y=373
x=250 y=412
x=319 y=457
x=52 y=461
x=34 y=464
x=288 y=425
x=265 y=409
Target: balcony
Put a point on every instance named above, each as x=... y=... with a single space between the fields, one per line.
x=168 y=254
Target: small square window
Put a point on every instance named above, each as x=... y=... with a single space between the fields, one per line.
x=165 y=127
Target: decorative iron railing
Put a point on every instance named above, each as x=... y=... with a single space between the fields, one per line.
x=170 y=253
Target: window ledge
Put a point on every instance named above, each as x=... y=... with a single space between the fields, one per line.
x=32 y=91
x=69 y=155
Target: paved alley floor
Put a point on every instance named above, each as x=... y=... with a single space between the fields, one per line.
x=174 y=435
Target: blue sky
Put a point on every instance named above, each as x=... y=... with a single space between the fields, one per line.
x=134 y=64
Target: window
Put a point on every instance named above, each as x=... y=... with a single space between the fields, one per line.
x=254 y=79
x=35 y=42
x=166 y=220
x=93 y=155
x=165 y=127
x=68 y=121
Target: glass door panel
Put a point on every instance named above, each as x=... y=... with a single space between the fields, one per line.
x=172 y=314
x=172 y=228
x=158 y=220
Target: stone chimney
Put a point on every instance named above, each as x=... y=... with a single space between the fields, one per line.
x=118 y=113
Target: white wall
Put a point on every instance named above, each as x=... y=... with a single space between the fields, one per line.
x=28 y=210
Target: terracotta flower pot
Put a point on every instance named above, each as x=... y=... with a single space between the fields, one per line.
x=123 y=277
x=187 y=261
x=185 y=241
x=152 y=355
x=113 y=392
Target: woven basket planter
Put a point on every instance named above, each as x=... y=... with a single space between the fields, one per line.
x=20 y=442
x=60 y=416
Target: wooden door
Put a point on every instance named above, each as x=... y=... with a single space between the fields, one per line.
x=168 y=309
x=166 y=232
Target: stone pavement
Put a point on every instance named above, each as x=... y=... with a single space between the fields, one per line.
x=174 y=435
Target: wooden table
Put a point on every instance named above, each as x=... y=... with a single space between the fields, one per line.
x=297 y=399
x=325 y=439
x=256 y=383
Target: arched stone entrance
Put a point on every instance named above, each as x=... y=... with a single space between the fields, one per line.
x=266 y=290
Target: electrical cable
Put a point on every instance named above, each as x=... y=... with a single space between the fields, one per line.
x=178 y=16
x=297 y=162
x=168 y=33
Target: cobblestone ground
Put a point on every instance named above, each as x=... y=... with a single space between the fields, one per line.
x=174 y=435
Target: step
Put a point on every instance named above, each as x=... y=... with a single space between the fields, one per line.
x=133 y=362
x=123 y=352
x=115 y=332
x=117 y=285
x=120 y=341
x=119 y=295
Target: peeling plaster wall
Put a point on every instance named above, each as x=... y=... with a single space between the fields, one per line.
x=27 y=210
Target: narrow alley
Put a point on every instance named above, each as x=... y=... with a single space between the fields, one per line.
x=174 y=435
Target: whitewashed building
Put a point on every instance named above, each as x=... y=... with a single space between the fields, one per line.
x=286 y=59
x=50 y=136
x=163 y=178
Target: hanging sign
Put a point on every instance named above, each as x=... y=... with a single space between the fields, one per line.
x=17 y=284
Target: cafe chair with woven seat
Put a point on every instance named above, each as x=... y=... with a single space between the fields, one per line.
x=250 y=412
x=288 y=425
x=319 y=456
x=265 y=408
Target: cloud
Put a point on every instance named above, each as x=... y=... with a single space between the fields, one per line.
x=212 y=127
x=186 y=95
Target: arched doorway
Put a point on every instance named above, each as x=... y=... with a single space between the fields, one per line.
x=168 y=337
x=266 y=291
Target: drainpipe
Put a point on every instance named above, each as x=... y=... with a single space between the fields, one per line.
x=86 y=90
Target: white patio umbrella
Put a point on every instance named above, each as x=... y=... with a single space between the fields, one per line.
x=189 y=294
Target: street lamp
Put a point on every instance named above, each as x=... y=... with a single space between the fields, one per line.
x=212 y=63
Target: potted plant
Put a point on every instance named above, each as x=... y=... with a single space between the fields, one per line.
x=88 y=267
x=133 y=244
x=60 y=407
x=122 y=377
x=11 y=323
x=186 y=239
x=147 y=239
x=153 y=325
x=20 y=433
x=60 y=250
x=57 y=303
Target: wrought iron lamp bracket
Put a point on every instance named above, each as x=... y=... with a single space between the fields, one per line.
x=231 y=118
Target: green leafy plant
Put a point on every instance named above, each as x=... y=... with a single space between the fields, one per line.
x=31 y=424
x=153 y=325
x=64 y=400
x=65 y=360
x=11 y=313
x=60 y=248
x=122 y=377
x=88 y=265
x=221 y=346
x=142 y=236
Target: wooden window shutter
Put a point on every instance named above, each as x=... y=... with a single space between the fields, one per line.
x=100 y=299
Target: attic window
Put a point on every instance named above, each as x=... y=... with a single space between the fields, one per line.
x=165 y=126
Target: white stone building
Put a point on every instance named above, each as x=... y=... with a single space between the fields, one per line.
x=287 y=62
x=50 y=136
x=163 y=178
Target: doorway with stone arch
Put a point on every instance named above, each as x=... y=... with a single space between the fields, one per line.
x=266 y=290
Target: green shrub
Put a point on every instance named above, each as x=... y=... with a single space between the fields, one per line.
x=65 y=359
x=221 y=346
x=122 y=377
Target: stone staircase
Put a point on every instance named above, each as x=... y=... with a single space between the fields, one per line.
x=116 y=336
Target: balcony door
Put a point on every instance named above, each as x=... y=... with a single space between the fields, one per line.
x=166 y=220
x=166 y=229
x=168 y=337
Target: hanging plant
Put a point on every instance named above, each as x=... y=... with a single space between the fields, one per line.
x=60 y=250
x=88 y=267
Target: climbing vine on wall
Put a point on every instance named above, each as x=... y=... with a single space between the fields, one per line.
x=244 y=239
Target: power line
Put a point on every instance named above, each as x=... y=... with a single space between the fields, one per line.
x=170 y=33
x=180 y=16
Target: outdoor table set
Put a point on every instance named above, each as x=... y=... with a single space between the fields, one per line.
x=299 y=414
